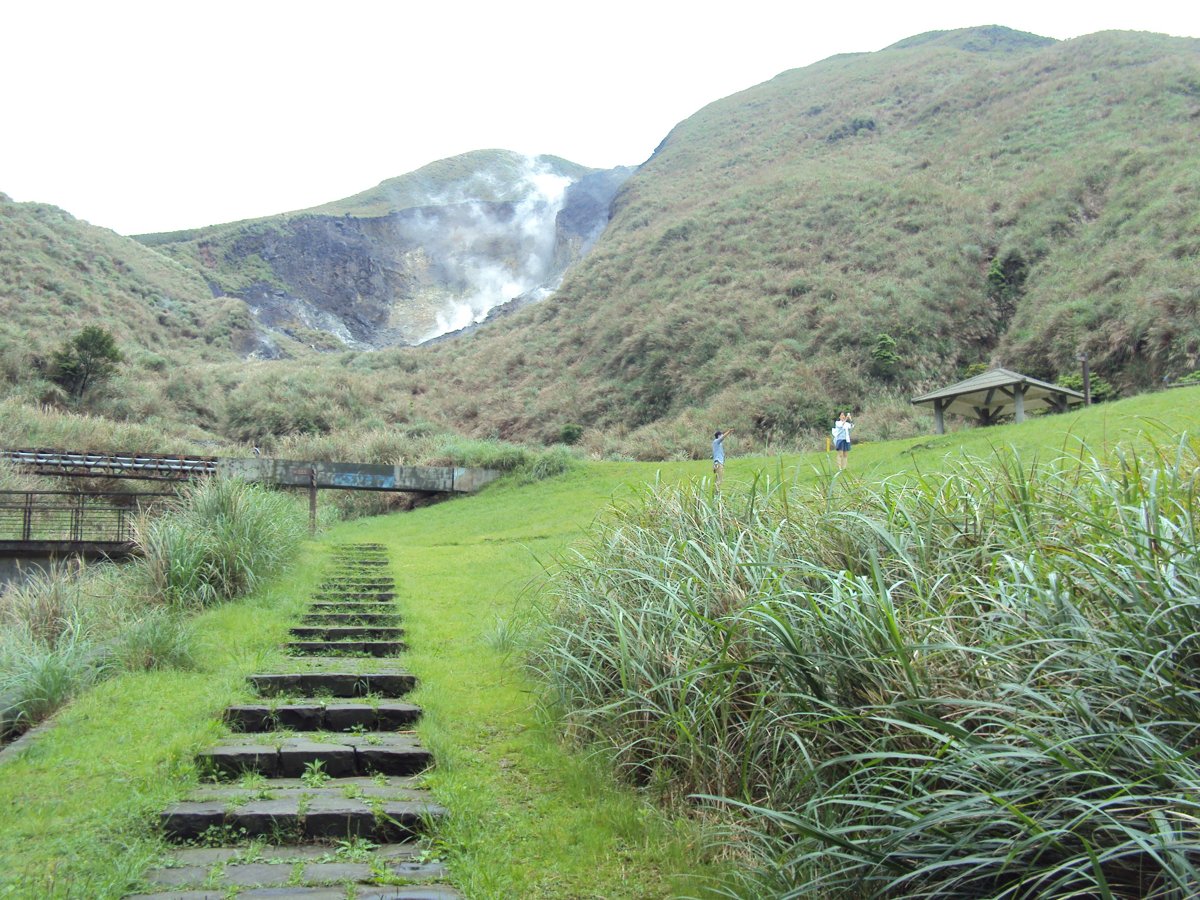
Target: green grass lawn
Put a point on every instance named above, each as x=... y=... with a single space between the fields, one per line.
x=529 y=816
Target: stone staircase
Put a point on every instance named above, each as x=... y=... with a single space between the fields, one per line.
x=316 y=793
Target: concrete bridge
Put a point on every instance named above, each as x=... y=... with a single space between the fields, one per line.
x=289 y=473
x=50 y=523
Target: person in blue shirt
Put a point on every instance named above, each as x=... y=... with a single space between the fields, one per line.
x=719 y=456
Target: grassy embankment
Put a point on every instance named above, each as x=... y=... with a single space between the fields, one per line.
x=529 y=817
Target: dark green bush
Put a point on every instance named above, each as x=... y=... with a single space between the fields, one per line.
x=570 y=433
x=1100 y=389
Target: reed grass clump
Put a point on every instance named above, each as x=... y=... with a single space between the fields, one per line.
x=65 y=627
x=980 y=683
x=60 y=628
x=225 y=538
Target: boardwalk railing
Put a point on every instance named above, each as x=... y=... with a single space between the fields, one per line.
x=114 y=465
x=68 y=519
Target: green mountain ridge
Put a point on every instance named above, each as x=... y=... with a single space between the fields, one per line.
x=849 y=233
x=493 y=176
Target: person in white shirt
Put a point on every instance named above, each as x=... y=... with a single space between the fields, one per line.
x=719 y=456
x=841 y=439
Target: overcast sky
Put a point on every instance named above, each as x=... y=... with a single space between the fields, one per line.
x=153 y=116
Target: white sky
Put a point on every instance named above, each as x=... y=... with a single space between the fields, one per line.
x=153 y=116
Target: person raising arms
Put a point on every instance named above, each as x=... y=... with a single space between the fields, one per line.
x=719 y=456
x=841 y=439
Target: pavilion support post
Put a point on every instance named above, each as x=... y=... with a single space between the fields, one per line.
x=939 y=420
x=1019 y=403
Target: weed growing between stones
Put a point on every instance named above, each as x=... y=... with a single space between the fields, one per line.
x=315 y=775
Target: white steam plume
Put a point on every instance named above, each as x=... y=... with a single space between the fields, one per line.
x=486 y=282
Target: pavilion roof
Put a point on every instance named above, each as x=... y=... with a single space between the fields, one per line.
x=990 y=394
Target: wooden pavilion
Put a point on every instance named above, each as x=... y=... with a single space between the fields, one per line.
x=996 y=393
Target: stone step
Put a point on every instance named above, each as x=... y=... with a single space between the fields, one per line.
x=331 y=873
x=319 y=817
x=347 y=632
x=373 y=892
x=257 y=787
x=318 y=682
x=351 y=594
x=337 y=755
x=359 y=583
x=371 y=607
x=313 y=876
x=346 y=648
x=354 y=592
x=380 y=596
x=313 y=715
x=291 y=853
x=354 y=617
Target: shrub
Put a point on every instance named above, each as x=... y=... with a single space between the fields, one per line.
x=850 y=129
x=1188 y=379
x=1099 y=388
x=38 y=678
x=158 y=639
x=548 y=464
x=884 y=358
x=570 y=433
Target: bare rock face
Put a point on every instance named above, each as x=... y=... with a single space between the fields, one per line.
x=366 y=282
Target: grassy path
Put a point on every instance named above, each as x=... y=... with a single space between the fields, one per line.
x=530 y=818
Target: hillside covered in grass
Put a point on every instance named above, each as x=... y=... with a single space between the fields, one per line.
x=869 y=226
x=58 y=274
x=847 y=234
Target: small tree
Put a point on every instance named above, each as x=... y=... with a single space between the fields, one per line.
x=1099 y=389
x=884 y=358
x=85 y=360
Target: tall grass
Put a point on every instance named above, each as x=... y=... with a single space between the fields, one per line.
x=225 y=538
x=984 y=683
x=67 y=626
